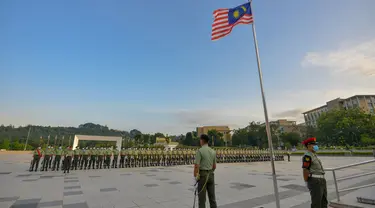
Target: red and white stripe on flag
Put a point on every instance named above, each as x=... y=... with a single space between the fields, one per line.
x=221 y=26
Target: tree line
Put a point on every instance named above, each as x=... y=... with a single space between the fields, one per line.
x=341 y=127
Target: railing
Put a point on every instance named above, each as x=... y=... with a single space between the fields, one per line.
x=350 y=177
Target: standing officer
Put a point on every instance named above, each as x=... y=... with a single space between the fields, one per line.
x=47 y=155
x=85 y=156
x=37 y=154
x=93 y=154
x=122 y=158
x=76 y=156
x=313 y=175
x=205 y=165
x=115 y=157
x=68 y=158
x=56 y=161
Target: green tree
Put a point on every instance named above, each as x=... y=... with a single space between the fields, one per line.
x=5 y=144
x=292 y=138
x=216 y=138
x=188 y=141
x=345 y=127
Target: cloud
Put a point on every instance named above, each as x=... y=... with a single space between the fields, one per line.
x=293 y=113
x=354 y=59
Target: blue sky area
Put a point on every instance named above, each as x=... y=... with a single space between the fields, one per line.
x=151 y=65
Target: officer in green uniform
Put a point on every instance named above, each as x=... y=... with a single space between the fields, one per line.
x=136 y=157
x=205 y=165
x=37 y=154
x=51 y=153
x=108 y=156
x=115 y=153
x=77 y=153
x=85 y=156
x=56 y=161
x=47 y=156
x=92 y=154
x=122 y=158
x=68 y=159
x=313 y=175
x=100 y=158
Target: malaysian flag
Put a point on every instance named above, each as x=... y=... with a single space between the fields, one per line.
x=226 y=19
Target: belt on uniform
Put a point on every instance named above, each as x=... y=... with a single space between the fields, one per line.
x=316 y=176
x=204 y=170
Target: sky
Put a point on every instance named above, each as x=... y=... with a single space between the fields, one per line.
x=151 y=65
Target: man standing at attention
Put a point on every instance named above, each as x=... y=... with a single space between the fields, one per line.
x=313 y=174
x=205 y=165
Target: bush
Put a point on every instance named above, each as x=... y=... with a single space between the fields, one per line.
x=341 y=153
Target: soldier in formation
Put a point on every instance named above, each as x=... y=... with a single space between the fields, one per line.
x=91 y=158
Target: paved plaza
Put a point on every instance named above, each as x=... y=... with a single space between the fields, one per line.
x=244 y=185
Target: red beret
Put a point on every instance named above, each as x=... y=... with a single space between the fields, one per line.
x=311 y=140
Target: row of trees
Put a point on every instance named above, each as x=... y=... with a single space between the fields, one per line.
x=14 y=138
x=339 y=127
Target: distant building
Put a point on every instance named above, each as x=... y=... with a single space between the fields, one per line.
x=225 y=130
x=285 y=126
x=164 y=142
x=365 y=102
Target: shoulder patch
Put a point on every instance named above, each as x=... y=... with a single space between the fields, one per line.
x=306 y=162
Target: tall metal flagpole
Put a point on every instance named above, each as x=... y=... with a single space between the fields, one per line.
x=270 y=146
x=48 y=140
x=27 y=139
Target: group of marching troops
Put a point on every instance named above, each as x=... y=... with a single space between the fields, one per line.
x=98 y=158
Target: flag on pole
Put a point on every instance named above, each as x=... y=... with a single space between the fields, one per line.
x=226 y=19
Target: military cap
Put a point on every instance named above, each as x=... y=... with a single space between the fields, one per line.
x=311 y=140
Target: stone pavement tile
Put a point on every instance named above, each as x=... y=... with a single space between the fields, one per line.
x=175 y=204
x=26 y=203
x=24 y=175
x=71 y=177
x=29 y=180
x=70 y=193
x=74 y=199
x=70 y=181
x=71 y=187
x=51 y=203
x=6 y=204
x=5 y=173
x=76 y=205
x=142 y=201
x=255 y=202
x=108 y=189
x=7 y=199
x=151 y=185
x=296 y=187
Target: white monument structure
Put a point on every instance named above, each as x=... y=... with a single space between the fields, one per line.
x=77 y=138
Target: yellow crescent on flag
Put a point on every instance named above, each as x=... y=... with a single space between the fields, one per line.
x=244 y=9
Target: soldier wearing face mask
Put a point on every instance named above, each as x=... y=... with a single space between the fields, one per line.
x=56 y=161
x=313 y=174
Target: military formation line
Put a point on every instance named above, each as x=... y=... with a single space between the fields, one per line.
x=99 y=158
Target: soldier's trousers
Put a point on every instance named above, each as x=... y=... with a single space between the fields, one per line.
x=318 y=192
x=50 y=161
x=67 y=162
x=75 y=162
x=45 y=163
x=114 y=161
x=100 y=162
x=108 y=161
x=84 y=161
x=35 y=163
x=206 y=183
x=92 y=162
x=56 y=162
x=122 y=161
